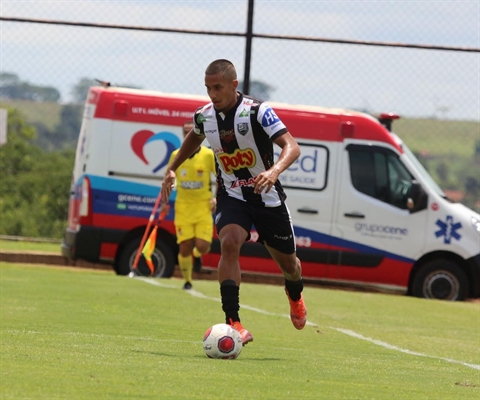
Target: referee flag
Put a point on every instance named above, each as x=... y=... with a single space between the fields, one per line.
x=149 y=247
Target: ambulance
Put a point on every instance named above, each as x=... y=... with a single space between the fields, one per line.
x=366 y=213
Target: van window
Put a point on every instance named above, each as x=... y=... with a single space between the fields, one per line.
x=379 y=173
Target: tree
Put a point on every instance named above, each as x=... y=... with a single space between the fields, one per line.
x=68 y=129
x=11 y=87
x=17 y=154
x=34 y=185
x=80 y=90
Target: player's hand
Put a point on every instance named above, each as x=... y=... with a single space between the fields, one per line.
x=264 y=181
x=164 y=208
x=167 y=185
x=213 y=204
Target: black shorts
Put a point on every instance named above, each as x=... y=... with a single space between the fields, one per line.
x=273 y=224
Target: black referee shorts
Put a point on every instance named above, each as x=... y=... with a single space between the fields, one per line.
x=273 y=224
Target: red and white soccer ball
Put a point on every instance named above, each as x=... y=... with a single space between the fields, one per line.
x=222 y=341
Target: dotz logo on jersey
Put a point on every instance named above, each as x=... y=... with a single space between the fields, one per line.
x=269 y=118
x=142 y=138
x=239 y=159
x=448 y=229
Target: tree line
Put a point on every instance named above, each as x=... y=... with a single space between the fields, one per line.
x=64 y=135
x=35 y=184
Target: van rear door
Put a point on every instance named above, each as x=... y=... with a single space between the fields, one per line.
x=310 y=190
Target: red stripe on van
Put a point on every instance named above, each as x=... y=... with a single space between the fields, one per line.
x=147 y=108
x=314 y=123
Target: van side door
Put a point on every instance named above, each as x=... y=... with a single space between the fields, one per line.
x=380 y=237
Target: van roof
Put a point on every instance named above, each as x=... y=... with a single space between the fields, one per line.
x=173 y=109
x=206 y=99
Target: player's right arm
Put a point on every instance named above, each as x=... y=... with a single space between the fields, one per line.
x=188 y=147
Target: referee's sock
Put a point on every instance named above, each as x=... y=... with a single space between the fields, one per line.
x=185 y=265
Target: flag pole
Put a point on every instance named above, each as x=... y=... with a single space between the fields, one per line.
x=147 y=230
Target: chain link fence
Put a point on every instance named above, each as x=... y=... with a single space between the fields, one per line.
x=419 y=59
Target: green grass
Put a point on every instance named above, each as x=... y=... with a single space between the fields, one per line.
x=439 y=137
x=23 y=245
x=45 y=113
x=83 y=334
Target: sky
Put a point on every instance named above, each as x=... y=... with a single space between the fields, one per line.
x=412 y=82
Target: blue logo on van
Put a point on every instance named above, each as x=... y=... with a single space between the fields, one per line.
x=448 y=229
x=141 y=138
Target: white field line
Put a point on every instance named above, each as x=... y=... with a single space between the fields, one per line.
x=348 y=332
x=392 y=347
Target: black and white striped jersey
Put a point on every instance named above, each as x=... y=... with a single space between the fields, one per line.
x=242 y=140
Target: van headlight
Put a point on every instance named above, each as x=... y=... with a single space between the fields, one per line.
x=476 y=224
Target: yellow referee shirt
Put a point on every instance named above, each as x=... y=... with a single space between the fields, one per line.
x=193 y=181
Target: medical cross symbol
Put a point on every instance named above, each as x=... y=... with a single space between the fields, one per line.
x=448 y=229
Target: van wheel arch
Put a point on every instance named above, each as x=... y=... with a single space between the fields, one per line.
x=441 y=276
x=165 y=253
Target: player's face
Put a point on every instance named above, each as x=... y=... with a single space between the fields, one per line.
x=222 y=92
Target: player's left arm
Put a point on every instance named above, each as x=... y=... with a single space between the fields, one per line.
x=290 y=152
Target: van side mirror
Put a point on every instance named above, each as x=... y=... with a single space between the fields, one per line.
x=416 y=198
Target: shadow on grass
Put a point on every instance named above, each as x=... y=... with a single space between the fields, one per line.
x=155 y=353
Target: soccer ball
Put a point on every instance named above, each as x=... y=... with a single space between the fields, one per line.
x=222 y=341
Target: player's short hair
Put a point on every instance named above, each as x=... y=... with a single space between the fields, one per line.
x=222 y=66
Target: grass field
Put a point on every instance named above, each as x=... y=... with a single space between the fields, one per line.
x=25 y=245
x=82 y=334
x=439 y=138
x=45 y=113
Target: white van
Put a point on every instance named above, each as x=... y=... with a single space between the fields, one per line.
x=365 y=211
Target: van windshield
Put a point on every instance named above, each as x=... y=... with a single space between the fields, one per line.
x=423 y=172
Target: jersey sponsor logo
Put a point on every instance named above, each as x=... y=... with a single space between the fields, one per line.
x=242 y=128
x=448 y=229
x=282 y=237
x=244 y=113
x=188 y=185
x=202 y=118
x=242 y=182
x=239 y=159
x=269 y=118
x=143 y=138
x=227 y=135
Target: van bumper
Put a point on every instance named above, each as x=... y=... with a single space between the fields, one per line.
x=474 y=270
x=86 y=243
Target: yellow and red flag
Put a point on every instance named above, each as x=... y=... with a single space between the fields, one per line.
x=147 y=250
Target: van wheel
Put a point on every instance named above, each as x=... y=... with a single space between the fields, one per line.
x=440 y=279
x=163 y=259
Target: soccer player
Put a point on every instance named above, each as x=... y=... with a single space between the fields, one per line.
x=194 y=206
x=241 y=131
